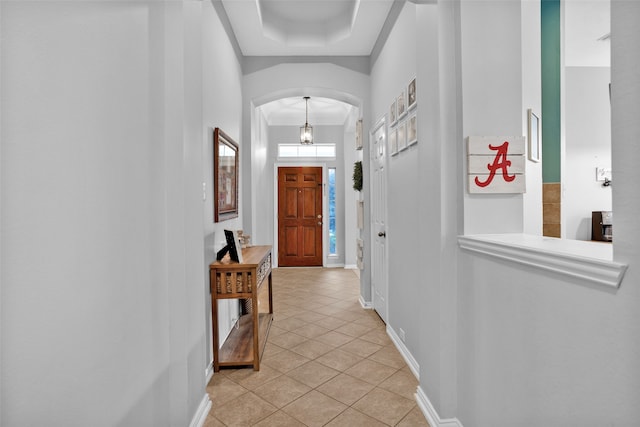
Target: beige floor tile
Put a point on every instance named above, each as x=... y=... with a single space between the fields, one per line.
x=334 y=338
x=248 y=378
x=353 y=329
x=314 y=409
x=339 y=359
x=330 y=323
x=319 y=319
x=279 y=419
x=287 y=340
x=353 y=418
x=281 y=391
x=310 y=330
x=402 y=383
x=221 y=390
x=212 y=421
x=415 y=418
x=285 y=361
x=390 y=356
x=289 y=324
x=361 y=347
x=311 y=349
x=384 y=406
x=371 y=371
x=313 y=374
x=377 y=336
x=345 y=388
x=244 y=412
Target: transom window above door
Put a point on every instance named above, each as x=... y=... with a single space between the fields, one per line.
x=315 y=151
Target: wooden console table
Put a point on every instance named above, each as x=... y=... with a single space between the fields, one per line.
x=232 y=280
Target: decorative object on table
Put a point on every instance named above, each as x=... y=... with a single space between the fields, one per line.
x=245 y=239
x=357 y=175
x=225 y=176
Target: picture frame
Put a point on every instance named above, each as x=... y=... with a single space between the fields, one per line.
x=533 y=136
x=412 y=129
x=402 y=136
x=393 y=142
x=359 y=134
x=401 y=105
x=412 y=94
x=393 y=113
x=225 y=176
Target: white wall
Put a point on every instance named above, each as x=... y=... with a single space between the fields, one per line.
x=390 y=74
x=536 y=349
x=588 y=145
x=222 y=107
x=103 y=277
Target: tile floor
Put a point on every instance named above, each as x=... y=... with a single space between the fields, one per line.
x=327 y=362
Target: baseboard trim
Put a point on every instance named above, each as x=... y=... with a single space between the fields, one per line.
x=404 y=351
x=350 y=267
x=365 y=304
x=201 y=414
x=430 y=413
x=208 y=373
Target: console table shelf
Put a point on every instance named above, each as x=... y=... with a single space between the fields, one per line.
x=232 y=280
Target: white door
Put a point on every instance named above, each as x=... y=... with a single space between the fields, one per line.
x=379 y=282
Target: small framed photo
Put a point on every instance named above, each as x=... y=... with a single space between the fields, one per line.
x=412 y=130
x=393 y=113
x=412 y=99
x=402 y=136
x=402 y=105
x=359 y=134
x=534 y=136
x=393 y=141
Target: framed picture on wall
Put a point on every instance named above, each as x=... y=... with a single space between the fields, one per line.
x=402 y=136
x=393 y=142
x=402 y=105
x=533 y=136
x=412 y=99
x=393 y=113
x=225 y=176
x=412 y=130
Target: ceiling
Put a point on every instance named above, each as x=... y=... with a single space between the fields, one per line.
x=291 y=111
x=282 y=28
x=307 y=27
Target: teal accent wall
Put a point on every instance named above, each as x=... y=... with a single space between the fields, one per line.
x=551 y=115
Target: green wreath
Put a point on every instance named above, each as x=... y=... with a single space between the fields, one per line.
x=357 y=176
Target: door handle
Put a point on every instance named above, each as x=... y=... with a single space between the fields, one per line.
x=319 y=223
x=382 y=234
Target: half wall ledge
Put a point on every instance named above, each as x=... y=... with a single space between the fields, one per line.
x=589 y=261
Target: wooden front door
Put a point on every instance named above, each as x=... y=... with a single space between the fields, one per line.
x=299 y=216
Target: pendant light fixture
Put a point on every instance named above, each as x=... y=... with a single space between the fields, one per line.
x=306 y=131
